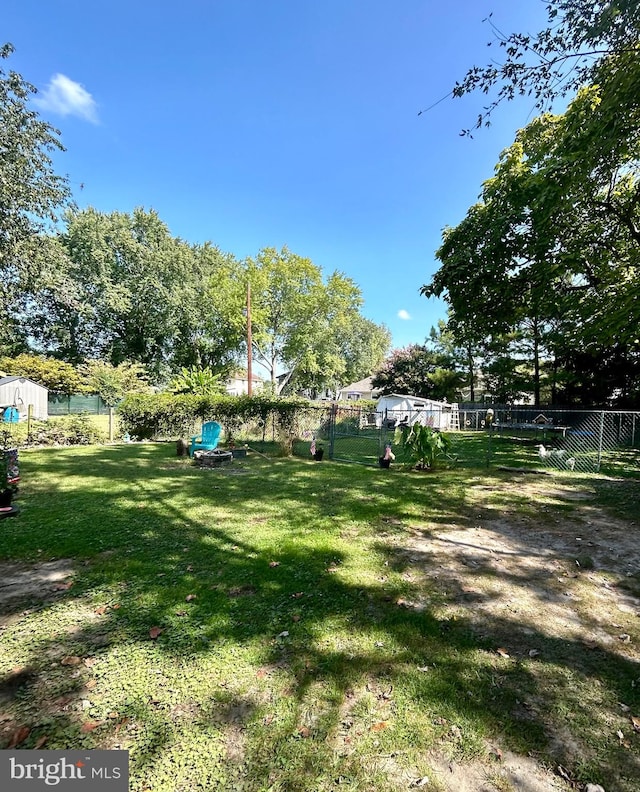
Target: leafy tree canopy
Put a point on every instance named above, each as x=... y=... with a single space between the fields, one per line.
x=555 y=62
x=31 y=197
x=420 y=371
x=113 y=383
x=56 y=375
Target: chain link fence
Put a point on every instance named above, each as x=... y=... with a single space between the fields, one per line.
x=587 y=441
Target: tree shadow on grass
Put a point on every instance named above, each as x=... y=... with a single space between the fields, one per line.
x=248 y=577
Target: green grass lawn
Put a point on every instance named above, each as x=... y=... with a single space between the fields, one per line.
x=247 y=629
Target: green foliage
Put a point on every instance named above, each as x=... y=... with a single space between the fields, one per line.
x=62 y=431
x=113 y=383
x=197 y=381
x=56 y=375
x=31 y=195
x=423 y=446
x=421 y=371
x=169 y=415
x=569 y=53
x=546 y=263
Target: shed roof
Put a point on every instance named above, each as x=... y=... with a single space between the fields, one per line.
x=10 y=379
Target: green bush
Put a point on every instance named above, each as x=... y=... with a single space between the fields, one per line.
x=64 y=430
x=423 y=446
x=166 y=415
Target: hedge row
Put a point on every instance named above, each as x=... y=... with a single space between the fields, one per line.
x=148 y=416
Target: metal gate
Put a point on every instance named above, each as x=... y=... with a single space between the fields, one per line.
x=357 y=435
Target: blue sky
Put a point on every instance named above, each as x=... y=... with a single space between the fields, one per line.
x=256 y=123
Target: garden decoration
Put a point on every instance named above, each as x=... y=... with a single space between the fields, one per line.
x=387 y=458
x=316 y=450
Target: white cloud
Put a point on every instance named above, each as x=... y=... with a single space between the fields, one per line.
x=402 y=314
x=66 y=97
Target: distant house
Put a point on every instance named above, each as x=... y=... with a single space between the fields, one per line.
x=20 y=392
x=238 y=384
x=358 y=390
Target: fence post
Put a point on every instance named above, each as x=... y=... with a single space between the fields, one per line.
x=332 y=429
x=600 y=441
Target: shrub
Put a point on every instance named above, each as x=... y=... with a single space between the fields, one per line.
x=423 y=446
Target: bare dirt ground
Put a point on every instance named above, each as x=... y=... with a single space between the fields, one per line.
x=556 y=570
x=32 y=581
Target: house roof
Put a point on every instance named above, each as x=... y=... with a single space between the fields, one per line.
x=412 y=396
x=362 y=386
x=10 y=379
x=21 y=380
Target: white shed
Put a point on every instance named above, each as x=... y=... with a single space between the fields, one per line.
x=20 y=392
x=396 y=407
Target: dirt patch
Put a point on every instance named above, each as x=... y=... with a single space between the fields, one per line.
x=20 y=581
x=543 y=569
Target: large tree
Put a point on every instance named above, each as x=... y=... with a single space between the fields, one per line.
x=127 y=274
x=549 y=256
x=421 y=371
x=31 y=197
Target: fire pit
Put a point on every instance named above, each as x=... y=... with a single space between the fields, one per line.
x=212 y=459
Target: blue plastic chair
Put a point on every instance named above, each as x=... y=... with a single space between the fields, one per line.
x=207 y=439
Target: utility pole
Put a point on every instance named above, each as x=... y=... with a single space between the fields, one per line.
x=249 y=342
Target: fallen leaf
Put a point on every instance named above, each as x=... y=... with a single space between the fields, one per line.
x=63 y=586
x=190 y=597
x=120 y=724
x=497 y=753
x=295 y=617
x=502 y=652
x=268 y=720
x=90 y=661
x=635 y=722
x=154 y=632
x=102 y=609
x=261 y=673
x=116 y=606
x=71 y=660
x=304 y=732
x=19 y=736
x=379 y=726
x=89 y=726
x=41 y=741
x=90 y=684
